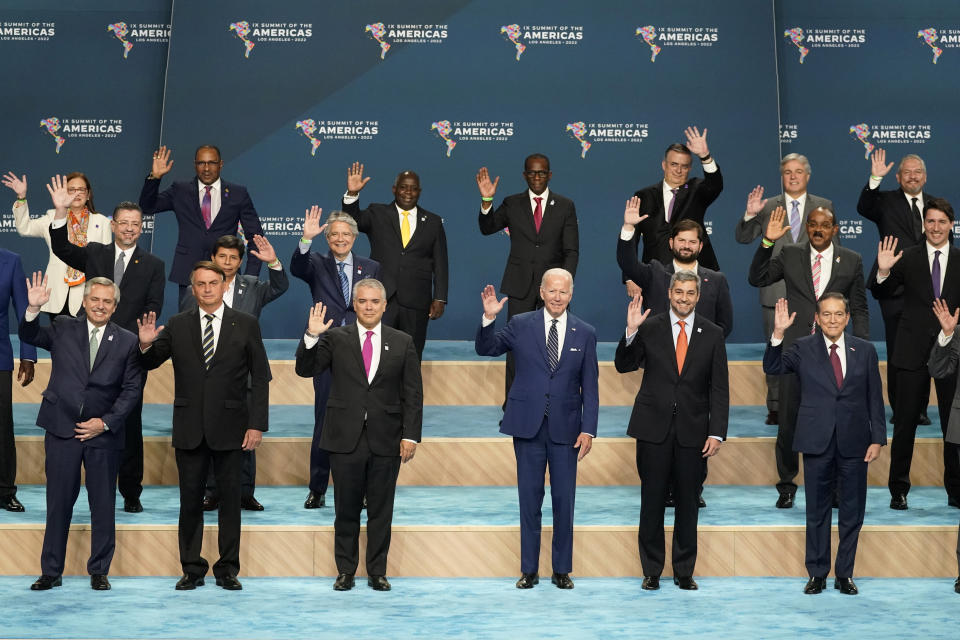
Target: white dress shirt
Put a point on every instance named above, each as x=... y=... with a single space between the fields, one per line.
x=561 y=330
x=412 y=217
x=215 y=190
x=826 y=267
x=228 y=294
x=944 y=253
x=217 y=321
x=841 y=352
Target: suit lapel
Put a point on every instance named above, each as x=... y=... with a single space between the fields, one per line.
x=356 y=347
x=195 y=338
x=951 y=275
x=667 y=338
x=239 y=291
x=804 y=216
x=107 y=335
x=195 y=202
x=227 y=327
x=838 y=263
x=394 y=219
x=806 y=269
x=822 y=355
x=680 y=201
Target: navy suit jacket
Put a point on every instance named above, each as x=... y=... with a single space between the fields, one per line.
x=12 y=287
x=76 y=393
x=194 y=240
x=572 y=390
x=319 y=271
x=854 y=411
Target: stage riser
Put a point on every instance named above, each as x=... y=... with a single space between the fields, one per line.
x=494 y=552
x=491 y=461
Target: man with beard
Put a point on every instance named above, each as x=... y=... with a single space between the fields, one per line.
x=808 y=270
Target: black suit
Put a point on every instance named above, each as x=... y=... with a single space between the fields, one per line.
x=415 y=275
x=916 y=335
x=792 y=266
x=212 y=410
x=673 y=415
x=691 y=203
x=363 y=426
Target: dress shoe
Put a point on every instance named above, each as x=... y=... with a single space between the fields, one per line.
x=650 y=583
x=785 y=501
x=315 y=501
x=344 y=582
x=700 y=503
x=189 y=582
x=923 y=419
x=815 y=585
x=46 y=582
x=378 y=583
x=772 y=418
x=132 y=505
x=250 y=504
x=210 y=503
x=527 y=580
x=845 y=586
x=956 y=585
x=230 y=583
x=562 y=580
x=953 y=502
x=898 y=502
x=686 y=583
x=99 y=582
x=10 y=503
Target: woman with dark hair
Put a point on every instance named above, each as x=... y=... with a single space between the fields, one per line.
x=83 y=225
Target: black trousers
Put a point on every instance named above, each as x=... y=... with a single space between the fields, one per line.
x=8 y=445
x=192 y=467
x=130 y=480
x=354 y=472
x=788 y=460
x=532 y=302
x=409 y=320
x=319 y=458
x=773 y=382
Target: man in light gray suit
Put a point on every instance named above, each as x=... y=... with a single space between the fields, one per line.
x=795 y=174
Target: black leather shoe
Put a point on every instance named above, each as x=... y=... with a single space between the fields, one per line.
x=10 y=503
x=99 y=582
x=46 y=582
x=344 y=582
x=845 y=586
x=772 y=418
x=700 y=503
x=562 y=580
x=686 y=583
x=527 y=580
x=189 y=582
x=650 y=583
x=785 y=501
x=898 y=502
x=250 y=504
x=132 y=505
x=230 y=583
x=815 y=585
x=210 y=503
x=953 y=502
x=315 y=501
x=378 y=583
x=956 y=585
x=923 y=419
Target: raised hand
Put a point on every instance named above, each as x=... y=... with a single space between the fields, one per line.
x=782 y=318
x=775 y=229
x=878 y=166
x=311 y=222
x=355 y=179
x=491 y=306
x=755 y=201
x=697 y=142
x=887 y=256
x=264 y=251
x=18 y=185
x=635 y=313
x=161 y=162
x=317 y=323
x=59 y=195
x=37 y=292
x=631 y=214
x=948 y=321
x=487 y=188
x=147 y=329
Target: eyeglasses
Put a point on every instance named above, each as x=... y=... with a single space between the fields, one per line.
x=536 y=174
x=75 y=190
x=207 y=163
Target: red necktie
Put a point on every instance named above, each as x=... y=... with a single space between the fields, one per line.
x=837 y=369
x=205 y=206
x=538 y=215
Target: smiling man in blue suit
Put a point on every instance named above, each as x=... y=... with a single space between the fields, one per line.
x=551 y=412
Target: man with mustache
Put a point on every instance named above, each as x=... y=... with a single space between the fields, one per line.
x=807 y=270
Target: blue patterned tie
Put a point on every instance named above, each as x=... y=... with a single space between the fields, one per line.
x=207 y=340
x=553 y=346
x=344 y=285
x=795 y=219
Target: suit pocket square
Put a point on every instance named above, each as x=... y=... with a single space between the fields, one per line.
x=574 y=349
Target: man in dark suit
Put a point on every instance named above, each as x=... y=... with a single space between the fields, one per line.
x=330 y=277
x=372 y=424
x=248 y=294
x=795 y=177
x=411 y=246
x=897 y=213
x=678 y=197
x=551 y=412
x=139 y=274
x=220 y=408
x=840 y=429
x=206 y=208
x=543 y=231
x=12 y=289
x=807 y=270
x=924 y=273
x=94 y=383
x=679 y=418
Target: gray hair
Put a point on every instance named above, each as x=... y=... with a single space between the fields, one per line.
x=340 y=216
x=106 y=282
x=912 y=156
x=685 y=275
x=556 y=272
x=369 y=283
x=799 y=157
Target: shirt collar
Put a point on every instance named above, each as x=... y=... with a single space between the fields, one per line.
x=400 y=210
x=840 y=342
x=943 y=250
x=910 y=198
x=363 y=330
x=218 y=314
x=674 y=318
x=561 y=321
x=347 y=261
x=826 y=253
x=545 y=197
x=802 y=198
x=213 y=187
x=678 y=267
x=90 y=327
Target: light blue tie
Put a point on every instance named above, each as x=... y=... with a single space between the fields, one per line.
x=344 y=284
x=795 y=219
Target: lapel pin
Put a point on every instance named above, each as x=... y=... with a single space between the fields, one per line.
x=837 y=260
x=551 y=203
x=706 y=279
x=573 y=328
x=386 y=347
x=423 y=218
x=110 y=338
x=699 y=330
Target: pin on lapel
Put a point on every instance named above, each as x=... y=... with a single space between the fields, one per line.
x=423 y=218
x=386 y=347
x=552 y=202
x=706 y=279
x=837 y=260
x=137 y=261
x=226 y=193
x=573 y=328
x=574 y=349
x=699 y=330
x=110 y=338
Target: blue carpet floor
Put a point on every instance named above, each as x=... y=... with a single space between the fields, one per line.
x=301 y=608
x=497 y=506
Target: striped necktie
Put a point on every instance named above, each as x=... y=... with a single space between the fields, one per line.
x=208 y=340
x=344 y=284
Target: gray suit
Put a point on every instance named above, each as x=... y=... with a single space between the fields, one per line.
x=942 y=363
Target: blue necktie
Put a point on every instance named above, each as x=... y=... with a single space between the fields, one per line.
x=935 y=275
x=344 y=285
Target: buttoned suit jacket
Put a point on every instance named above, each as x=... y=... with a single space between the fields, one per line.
x=319 y=271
